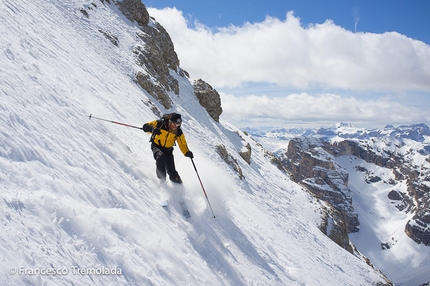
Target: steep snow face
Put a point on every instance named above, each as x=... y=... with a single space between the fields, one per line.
x=80 y=199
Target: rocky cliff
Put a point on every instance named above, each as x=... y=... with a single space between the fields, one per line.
x=154 y=54
x=311 y=161
x=312 y=166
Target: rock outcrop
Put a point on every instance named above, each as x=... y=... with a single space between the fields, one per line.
x=135 y=10
x=209 y=98
x=246 y=153
x=230 y=160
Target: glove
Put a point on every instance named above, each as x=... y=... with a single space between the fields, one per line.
x=146 y=127
x=189 y=154
x=156 y=131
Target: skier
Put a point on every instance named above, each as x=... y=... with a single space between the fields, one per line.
x=165 y=132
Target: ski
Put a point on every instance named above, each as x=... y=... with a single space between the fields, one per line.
x=184 y=208
x=164 y=197
x=178 y=197
x=164 y=200
x=185 y=211
x=164 y=203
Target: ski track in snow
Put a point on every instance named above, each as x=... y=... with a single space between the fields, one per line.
x=82 y=194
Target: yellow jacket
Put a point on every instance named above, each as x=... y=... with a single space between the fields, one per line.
x=167 y=139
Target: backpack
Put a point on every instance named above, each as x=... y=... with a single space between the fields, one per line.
x=164 y=119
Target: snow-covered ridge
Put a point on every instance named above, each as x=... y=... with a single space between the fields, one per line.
x=80 y=199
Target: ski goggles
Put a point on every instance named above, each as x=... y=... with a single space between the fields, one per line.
x=176 y=122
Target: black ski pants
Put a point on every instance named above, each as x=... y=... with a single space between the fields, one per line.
x=164 y=161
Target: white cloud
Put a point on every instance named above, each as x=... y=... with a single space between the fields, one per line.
x=287 y=54
x=317 y=110
x=297 y=65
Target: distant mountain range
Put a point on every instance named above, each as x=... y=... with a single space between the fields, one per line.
x=415 y=132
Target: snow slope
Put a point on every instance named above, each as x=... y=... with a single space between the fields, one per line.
x=80 y=200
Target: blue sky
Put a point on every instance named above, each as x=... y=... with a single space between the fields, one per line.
x=408 y=17
x=307 y=62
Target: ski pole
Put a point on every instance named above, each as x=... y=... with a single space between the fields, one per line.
x=203 y=188
x=115 y=122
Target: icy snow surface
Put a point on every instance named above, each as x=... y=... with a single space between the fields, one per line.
x=81 y=195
